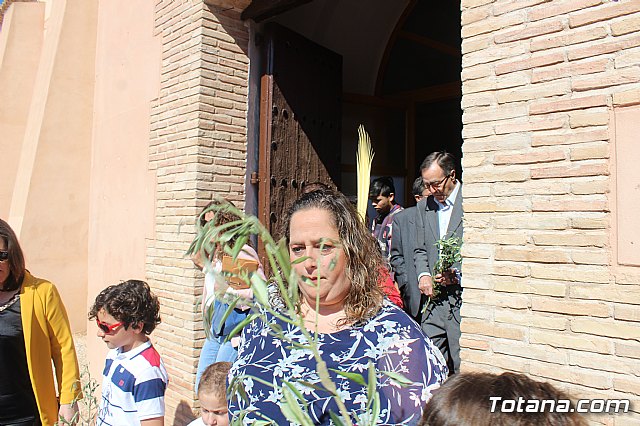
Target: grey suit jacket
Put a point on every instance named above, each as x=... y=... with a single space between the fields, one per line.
x=428 y=232
x=403 y=244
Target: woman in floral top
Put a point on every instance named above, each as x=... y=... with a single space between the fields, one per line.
x=355 y=325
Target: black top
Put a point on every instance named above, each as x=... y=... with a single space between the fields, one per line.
x=17 y=401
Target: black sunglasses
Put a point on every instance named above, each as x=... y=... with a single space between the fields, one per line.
x=4 y=255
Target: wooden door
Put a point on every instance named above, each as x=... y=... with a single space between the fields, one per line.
x=300 y=118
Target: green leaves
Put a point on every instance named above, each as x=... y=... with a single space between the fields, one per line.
x=354 y=377
x=259 y=287
x=449 y=253
x=292 y=405
x=398 y=378
x=229 y=239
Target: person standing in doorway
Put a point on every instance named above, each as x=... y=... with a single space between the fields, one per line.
x=403 y=245
x=440 y=216
x=382 y=196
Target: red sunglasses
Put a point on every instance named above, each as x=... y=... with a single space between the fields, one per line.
x=107 y=328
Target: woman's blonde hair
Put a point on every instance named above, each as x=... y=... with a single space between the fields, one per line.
x=363 y=259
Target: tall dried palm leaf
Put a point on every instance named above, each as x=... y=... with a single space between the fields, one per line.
x=364 y=158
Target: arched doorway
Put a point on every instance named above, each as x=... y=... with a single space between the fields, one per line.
x=401 y=64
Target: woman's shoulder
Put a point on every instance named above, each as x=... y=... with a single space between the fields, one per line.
x=36 y=284
x=391 y=311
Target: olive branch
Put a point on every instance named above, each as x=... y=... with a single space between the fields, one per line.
x=86 y=400
x=285 y=279
x=448 y=255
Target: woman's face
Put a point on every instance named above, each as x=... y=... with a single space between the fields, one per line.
x=313 y=235
x=5 y=269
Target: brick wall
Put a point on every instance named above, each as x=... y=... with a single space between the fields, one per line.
x=198 y=149
x=543 y=287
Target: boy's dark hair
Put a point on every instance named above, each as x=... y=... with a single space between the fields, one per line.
x=418 y=186
x=382 y=186
x=130 y=302
x=214 y=380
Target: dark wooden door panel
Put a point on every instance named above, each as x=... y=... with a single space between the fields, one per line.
x=300 y=120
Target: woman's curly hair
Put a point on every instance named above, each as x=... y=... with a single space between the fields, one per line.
x=130 y=302
x=363 y=258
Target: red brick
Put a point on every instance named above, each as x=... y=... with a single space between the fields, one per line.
x=570 y=138
x=570 y=171
x=476 y=14
x=545 y=107
x=475 y=72
x=483 y=114
x=568 y=38
x=607 y=79
x=494 y=53
x=626 y=25
x=628 y=97
x=540 y=205
x=529 y=31
x=531 y=62
x=492 y=24
x=569 y=70
x=529 y=157
x=588 y=119
x=475 y=44
x=593 y=50
x=603 y=13
x=530 y=125
x=556 y=8
x=535 y=91
x=507 y=6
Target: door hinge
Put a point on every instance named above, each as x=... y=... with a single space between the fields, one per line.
x=254 y=178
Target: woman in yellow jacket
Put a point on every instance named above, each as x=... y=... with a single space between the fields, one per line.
x=34 y=330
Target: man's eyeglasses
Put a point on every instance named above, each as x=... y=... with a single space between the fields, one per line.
x=107 y=328
x=436 y=185
x=4 y=255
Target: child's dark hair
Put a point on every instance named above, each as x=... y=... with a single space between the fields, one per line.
x=130 y=302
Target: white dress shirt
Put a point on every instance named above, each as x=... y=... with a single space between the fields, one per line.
x=444 y=210
x=444 y=216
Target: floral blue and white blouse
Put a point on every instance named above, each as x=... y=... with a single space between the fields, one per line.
x=391 y=340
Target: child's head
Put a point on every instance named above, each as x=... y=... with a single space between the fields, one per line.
x=475 y=399
x=126 y=313
x=212 y=393
x=219 y=216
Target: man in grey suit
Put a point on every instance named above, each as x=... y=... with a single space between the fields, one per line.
x=403 y=243
x=440 y=215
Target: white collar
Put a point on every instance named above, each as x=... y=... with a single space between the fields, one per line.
x=451 y=198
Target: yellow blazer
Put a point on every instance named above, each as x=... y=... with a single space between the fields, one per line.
x=47 y=336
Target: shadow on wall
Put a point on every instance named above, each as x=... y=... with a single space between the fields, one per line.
x=183 y=415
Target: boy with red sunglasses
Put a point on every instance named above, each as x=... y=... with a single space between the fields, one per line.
x=134 y=378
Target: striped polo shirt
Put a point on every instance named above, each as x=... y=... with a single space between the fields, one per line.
x=133 y=385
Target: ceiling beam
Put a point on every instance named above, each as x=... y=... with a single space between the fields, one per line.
x=431 y=44
x=259 y=10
